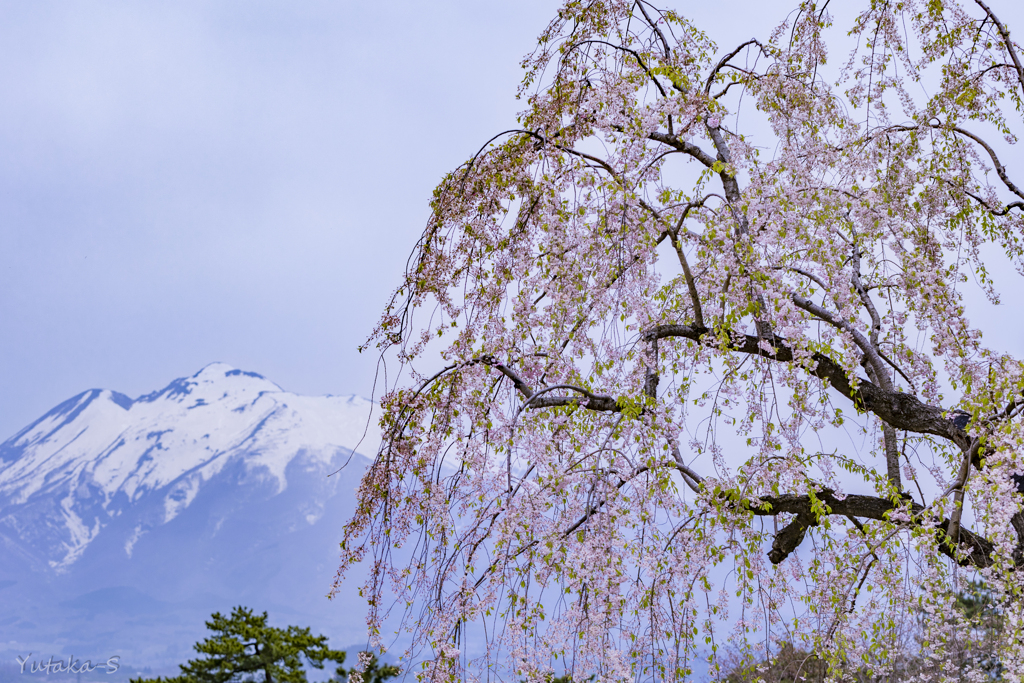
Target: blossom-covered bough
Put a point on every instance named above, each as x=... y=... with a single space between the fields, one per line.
x=683 y=363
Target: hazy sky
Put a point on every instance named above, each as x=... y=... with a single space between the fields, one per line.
x=188 y=182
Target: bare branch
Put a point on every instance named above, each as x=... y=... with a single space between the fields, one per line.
x=881 y=377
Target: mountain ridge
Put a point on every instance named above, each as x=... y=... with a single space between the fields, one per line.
x=219 y=489
x=102 y=451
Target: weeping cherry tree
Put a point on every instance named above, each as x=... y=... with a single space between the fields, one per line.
x=682 y=365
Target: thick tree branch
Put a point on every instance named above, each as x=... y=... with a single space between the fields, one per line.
x=685 y=147
x=870 y=352
x=876 y=371
x=869 y=305
x=988 y=207
x=729 y=182
x=791 y=536
x=651 y=377
x=977 y=549
x=958 y=496
x=900 y=410
x=1017 y=521
x=654 y=27
x=691 y=285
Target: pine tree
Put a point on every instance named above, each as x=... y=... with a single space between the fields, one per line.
x=245 y=649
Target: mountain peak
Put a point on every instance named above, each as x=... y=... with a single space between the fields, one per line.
x=218 y=371
x=100 y=452
x=216 y=380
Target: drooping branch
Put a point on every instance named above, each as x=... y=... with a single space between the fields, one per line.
x=723 y=62
x=590 y=400
x=897 y=409
x=900 y=410
x=1007 y=43
x=1000 y=168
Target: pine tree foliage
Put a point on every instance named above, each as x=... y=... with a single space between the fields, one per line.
x=245 y=649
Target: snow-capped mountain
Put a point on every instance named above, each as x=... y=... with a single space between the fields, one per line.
x=211 y=492
x=98 y=454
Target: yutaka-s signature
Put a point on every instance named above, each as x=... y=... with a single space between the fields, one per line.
x=71 y=665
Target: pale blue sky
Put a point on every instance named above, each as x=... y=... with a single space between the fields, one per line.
x=187 y=182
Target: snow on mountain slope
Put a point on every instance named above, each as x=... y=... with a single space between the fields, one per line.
x=97 y=455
